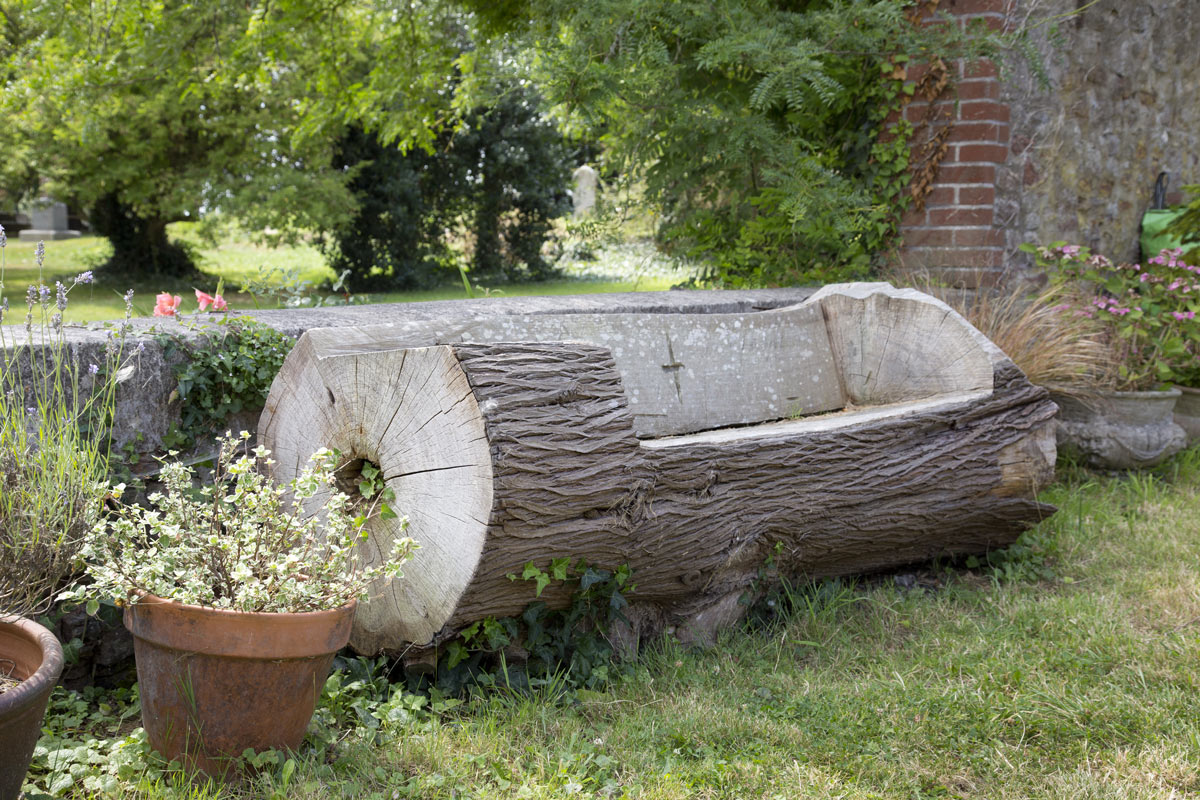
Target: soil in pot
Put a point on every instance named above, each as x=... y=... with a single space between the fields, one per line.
x=32 y=658
x=213 y=682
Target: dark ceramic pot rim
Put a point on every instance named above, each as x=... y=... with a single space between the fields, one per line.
x=239 y=634
x=32 y=689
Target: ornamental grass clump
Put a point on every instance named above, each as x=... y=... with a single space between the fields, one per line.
x=1148 y=312
x=56 y=408
x=240 y=541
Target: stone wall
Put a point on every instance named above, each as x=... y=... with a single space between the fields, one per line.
x=1071 y=154
x=148 y=404
x=1123 y=104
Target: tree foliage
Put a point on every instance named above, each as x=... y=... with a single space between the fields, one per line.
x=165 y=110
x=494 y=184
x=754 y=124
x=1187 y=225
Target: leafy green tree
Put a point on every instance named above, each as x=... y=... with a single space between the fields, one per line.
x=497 y=181
x=753 y=125
x=150 y=112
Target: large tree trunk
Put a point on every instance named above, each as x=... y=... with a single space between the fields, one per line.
x=664 y=442
x=140 y=244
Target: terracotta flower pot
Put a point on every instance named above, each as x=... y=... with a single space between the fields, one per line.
x=214 y=682
x=37 y=661
x=1120 y=430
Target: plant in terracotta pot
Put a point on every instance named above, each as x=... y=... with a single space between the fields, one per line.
x=238 y=594
x=1149 y=315
x=56 y=402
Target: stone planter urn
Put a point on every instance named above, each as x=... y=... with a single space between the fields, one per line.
x=1120 y=430
x=1187 y=412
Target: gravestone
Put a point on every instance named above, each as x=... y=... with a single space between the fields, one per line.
x=586 y=184
x=48 y=220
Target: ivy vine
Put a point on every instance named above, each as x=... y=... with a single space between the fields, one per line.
x=570 y=647
x=223 y=373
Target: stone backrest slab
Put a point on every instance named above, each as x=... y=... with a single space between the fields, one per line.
x=695 y=372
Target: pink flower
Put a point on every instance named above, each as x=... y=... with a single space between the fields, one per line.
x=205 y=300
x=1182 y=315
x=166 y=305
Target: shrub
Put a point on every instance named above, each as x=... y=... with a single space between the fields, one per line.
x=489 y=188
x=55 y=413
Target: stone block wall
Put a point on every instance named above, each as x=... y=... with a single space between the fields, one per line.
x=148 y=403
x=1071 y=158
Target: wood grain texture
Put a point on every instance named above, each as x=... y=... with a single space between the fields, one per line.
x=946 y=461
x=412 y=413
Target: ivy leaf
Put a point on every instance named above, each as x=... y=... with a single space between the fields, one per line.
x=559 y=567
x=593 y=576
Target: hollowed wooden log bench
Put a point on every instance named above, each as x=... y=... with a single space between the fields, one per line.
x=865 y=428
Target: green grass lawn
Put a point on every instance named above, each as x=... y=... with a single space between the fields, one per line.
x=1068 y=667
x=239 y=262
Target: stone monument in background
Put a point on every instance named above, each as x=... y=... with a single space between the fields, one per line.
x=587 y=182
x=48 y=220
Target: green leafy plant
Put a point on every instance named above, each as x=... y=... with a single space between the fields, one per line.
x=239 y=541
x=482 y=198
x=56 y=407
x=567 y=646
x=759 y=130
x=90 y=744
x=1187 y=225
x=1148 y=312
x=225 y=372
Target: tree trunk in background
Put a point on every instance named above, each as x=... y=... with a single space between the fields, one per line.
x=141 y=248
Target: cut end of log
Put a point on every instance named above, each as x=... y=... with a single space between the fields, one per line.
x=412 y=414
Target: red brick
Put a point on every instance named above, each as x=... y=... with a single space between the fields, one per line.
x=993 y=22
x=966 y=7
x=991 y=153
x=961 y=216
x=977 y=195
x=913 y=219
x=928 y=237
x=983 y=132
x=983 y=68
x=979 y=237
x=941 y=196
x=915 y=112
x=965 y=258
x=956 y=278
x=985 y=89
x=974 y=173
x=984 y=110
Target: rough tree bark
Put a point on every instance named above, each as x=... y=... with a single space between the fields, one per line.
x=518 y=440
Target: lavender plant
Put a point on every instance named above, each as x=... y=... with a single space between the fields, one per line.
x=1149 y=311
x=56 y=406
x=240 y=541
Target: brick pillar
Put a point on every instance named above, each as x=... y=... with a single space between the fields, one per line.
x=953 y=234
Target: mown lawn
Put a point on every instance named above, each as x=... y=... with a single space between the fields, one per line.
x=266 y=271
x=1068 y=667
